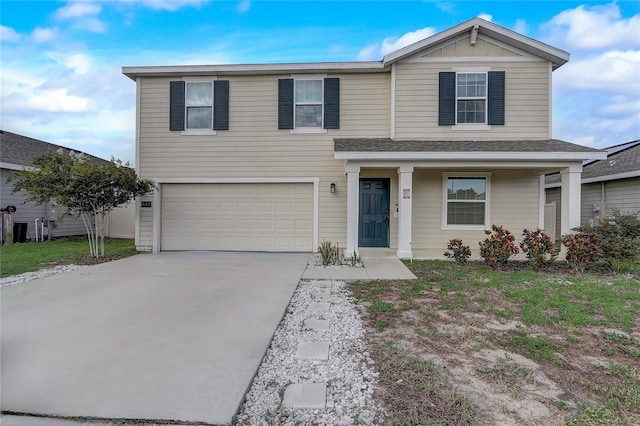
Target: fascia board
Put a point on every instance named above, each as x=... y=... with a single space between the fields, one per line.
x=253 y=69
x=616 y=176
x=11 y=166
x=468 y=156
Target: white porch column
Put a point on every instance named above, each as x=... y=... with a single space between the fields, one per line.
x=405 y=197
x=570 y=196
x=353 y=208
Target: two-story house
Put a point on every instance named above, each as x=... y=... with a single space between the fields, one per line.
x=438 y=140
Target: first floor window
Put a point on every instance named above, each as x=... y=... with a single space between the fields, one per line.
x=466 y=200
x=199 y=104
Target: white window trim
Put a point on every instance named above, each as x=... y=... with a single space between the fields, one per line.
x=199 y=132
x=307 y=130
x=487 y=201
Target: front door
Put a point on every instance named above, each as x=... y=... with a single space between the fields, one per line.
x=373 y=228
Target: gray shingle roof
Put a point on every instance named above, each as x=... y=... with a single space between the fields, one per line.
x=623 y=158
x=22 y=150
x=391 y=145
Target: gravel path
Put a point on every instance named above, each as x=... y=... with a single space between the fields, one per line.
x=349 y=373
x=28 y=276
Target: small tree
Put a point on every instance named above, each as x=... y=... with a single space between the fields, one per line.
x=89 y=188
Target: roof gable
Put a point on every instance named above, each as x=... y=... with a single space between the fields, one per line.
x=479 y=32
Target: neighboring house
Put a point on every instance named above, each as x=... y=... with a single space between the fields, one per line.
x=607 y=184
x=438 y=140
x=18 y=152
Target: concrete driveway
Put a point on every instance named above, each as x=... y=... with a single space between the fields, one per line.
x=172 y=336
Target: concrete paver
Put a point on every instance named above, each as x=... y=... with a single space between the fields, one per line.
x=315 y=324
x=172 y=336
x=319 y=307
x=313 y=350
x=306 y=395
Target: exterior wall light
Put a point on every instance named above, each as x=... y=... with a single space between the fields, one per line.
x=332 y=188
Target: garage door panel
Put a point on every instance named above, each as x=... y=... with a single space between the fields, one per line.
x=264 y=217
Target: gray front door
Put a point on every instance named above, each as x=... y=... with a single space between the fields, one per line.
x=373 y=228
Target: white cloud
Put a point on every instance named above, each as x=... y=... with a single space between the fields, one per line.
x=391 y=44
x=92 y=25
x=79 y=63
x=521 y=26
x=593 y=28
x=612 y=71
x=77 y=10
x=172 y=5
x=8 y=34
x=244 y=6
x=43 y=35
x=486 y=17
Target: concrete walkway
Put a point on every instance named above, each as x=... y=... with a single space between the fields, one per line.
x=173 y=336
x=379 y=264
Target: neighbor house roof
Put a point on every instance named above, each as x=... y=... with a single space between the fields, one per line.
x=557 y=57
x=384 y=148
x=18 y=150
x=622 y=161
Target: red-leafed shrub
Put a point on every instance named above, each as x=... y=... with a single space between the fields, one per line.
x=499 y=246
x=538 y=247
x=459 y=252
x=582 y=249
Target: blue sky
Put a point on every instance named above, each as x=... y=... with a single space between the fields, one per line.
x=61 y=74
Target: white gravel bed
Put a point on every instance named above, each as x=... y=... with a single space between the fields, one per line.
x=349 y=373
x=28 y=276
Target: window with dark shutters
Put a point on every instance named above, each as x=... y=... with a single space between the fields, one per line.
x=447 y=98
x=177 y=105
x=287 y=104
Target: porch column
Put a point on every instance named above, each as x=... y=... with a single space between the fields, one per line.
x=405 y=197
x=570 y=196
x=353 y=208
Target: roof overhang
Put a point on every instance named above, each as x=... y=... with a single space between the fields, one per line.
x=480 y=26
x=254 y=69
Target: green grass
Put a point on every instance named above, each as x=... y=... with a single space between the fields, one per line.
x=28 y=257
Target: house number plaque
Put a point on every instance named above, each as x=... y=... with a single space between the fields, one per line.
x=406 y=193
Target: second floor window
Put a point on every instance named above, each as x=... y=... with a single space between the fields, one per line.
x=199 y=104
x=471 y=90
x=308 y=100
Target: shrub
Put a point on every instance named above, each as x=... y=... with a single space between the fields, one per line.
x=582 y=249
x=330 y=254
x=619 y=236
x=499 y=247
x=460 y=253
x=538 y=247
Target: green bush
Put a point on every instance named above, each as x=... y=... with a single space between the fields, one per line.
x=582 y=249
x=618 y=236
x=499 y=247
x=539 y=247
x=459 y=252
x=330 y=254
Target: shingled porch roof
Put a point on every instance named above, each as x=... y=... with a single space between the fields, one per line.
x=385 y=148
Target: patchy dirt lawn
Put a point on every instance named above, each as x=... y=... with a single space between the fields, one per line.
x=467 y=345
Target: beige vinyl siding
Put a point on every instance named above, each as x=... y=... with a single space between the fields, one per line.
x=513 y=204
x=527 y=101
x=461 y=47
x=553 y=195
x=253 y=147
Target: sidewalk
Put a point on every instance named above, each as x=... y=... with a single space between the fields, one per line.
x=379 y=264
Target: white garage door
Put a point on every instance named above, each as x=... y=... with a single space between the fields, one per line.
x=237 y=216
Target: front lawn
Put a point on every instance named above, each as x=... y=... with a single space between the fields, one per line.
x=470 y=345
x=28 y=257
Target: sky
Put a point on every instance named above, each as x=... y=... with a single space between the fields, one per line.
x=61 y=75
